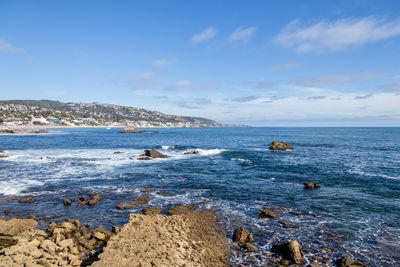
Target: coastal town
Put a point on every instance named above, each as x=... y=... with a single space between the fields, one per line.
x=31 y=113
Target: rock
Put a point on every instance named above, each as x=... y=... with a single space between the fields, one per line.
x=67 y=202
x=139 y=201
x=326 y=250
x=128 y=130
x=289 y=250
x=94 y=198
x=29 y=199
x=249 y=247
x=48 y=246
x=99 y=235
x=278 y=145
x=118 y=152
x=7 y=241
x=286 y=224
x=82 y=200
x=7 y=212
x=181 y=209
x=3 y=154
x=193 y=152
x=144 y=158
x=16 y=226
x=242 y=236
x=151 y=211
x=349 y=262
x=269 y=213
x=311 y=185
x=153 y=154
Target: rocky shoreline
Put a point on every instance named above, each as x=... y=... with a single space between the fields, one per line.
x=183 y=236
x=23 y=131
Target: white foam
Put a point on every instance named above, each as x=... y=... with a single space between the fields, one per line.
x=167 y=147
x=241 y=160
x=208 y=152
x=17 y=186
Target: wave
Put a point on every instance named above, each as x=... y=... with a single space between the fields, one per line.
x=207 y=152
x=243 y=161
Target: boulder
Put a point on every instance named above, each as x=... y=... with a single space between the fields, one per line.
x=250 y=247
x=349 y=262
x=82 y=200
x=269 y=213
x=29 y=199
x=67 y=202
x=153 y=154
x=94 y=198
x=151 y=210
x=311 y=185
x=242 y=236
x=279 y=145
x=290 y=251
x=193 y=152
x=3 y=154
x=16 y=226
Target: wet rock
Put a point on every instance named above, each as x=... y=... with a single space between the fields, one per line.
x=181 y=209
x=116 y=229
x=193 y=152
x=7 y=212
x=31 y=216
x=153 y=154
x=94 y=198
x=3 y=154
x=269 y=213
x=7 y=199
x=118 y=152
x=290 y=251
x=326 y=250
x=67 y=202
x=311 y=185
x=144 y=158
x=286 y=224
x=249 y=247
x=242 y=236
x=279 y=145
x=129 y=130
x=29 y=199
x=99 y=235
x=82 y=200
x=139 y=201
x=349 y=262
x=151 y=211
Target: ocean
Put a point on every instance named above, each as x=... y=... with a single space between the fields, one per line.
x=355 y=212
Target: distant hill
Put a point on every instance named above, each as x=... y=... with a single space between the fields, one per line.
x=91 y=114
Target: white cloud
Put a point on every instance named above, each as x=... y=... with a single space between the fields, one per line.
x=7 y=47
x=242 y=34
x=162 y=62
x=204 y=35
x=186 y=84
x=337 y=35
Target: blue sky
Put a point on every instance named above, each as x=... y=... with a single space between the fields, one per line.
x=281 y=63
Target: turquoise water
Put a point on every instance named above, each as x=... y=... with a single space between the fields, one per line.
x=356 y=212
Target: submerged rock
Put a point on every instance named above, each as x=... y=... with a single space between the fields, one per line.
x=311 y=185
x=153 y=154
x=242 y=236
x=139 y=201
x=67 y=202
x=349 y=262
x=279 y=145
x=29 y=199
x=290 y=251
x=193 y=152
x=130 y=130
x=269 y=213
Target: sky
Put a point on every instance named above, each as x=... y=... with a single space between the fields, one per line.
x=260 y=63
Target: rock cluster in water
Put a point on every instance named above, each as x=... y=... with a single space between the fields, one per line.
x=279 y=145
x=152 y=154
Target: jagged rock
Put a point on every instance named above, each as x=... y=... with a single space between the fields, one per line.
x=139 y=201
x=100 y=235
x=16 y=226
x=279 y=145
x=29 y=199
x=153 y=154
x=290 y=250
x=7 y=241
x=151 y=210
x=269 y=213
x=311 y=185
x=67 y=202
x=242 y=236
x=349 y=262
x=181 y=209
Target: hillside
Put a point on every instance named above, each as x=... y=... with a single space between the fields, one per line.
x=44 y=112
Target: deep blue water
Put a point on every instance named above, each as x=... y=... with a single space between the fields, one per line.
x=356 y=211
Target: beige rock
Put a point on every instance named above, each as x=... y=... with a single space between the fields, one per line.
x=48 y=246
x=290 y=251
x=16 y=226
x=242 y=236
x=99 y=235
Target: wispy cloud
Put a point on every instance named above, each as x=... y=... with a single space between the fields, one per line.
x=187 y=84
x=7 y=47
x=337 y=35
x=242 y=34
x=363 y=96
x=242 y=99
x=162 y=62
x=204 y=35
x=334 y=79
x=316 y=97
